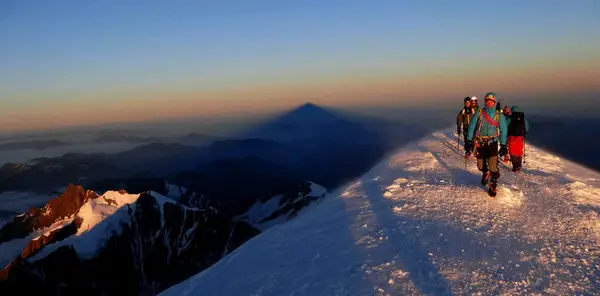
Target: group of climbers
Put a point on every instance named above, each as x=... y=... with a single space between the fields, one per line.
x=491 y=132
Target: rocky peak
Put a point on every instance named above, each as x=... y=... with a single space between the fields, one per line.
x=62 y=207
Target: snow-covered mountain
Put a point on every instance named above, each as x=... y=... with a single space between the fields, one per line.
x=420 y=223
x=117 y=242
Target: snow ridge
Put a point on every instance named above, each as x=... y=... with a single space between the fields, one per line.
x=279 y=209
x=420 y=223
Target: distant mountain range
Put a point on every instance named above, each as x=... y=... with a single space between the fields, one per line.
x=191 y=139
x=127 y=139
x=35 y=145
x=308 y=141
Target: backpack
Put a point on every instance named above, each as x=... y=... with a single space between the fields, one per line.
x=469 y=115
x=517 y=124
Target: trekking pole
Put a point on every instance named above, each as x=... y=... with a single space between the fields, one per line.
x=524 y=151
x=466 y=153
x=458 y=141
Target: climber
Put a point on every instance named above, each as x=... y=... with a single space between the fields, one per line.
x=518 y=126
x=463 y=119
x=485 y=133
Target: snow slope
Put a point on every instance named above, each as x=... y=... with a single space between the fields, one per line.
x=277 y=210
x=96 y=210
x=419 y=223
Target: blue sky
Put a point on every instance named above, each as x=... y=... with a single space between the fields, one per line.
x=52 y=51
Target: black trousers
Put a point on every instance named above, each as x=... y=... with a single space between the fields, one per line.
x=465 y=132
x=487 y=158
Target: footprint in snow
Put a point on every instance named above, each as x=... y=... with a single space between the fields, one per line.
x=401 y=181
x=508 y=197
x=391 y=189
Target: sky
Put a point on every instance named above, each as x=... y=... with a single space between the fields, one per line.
x=79 y=62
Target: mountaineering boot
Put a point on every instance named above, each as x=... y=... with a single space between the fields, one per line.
x=485 y=178
x=492 y=187
x=516 y=162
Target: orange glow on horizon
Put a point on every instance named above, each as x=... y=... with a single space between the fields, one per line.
x=341 y=91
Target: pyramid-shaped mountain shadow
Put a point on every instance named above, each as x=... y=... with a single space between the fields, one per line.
x=304 y=122
x=326 y=145
x=325 y=124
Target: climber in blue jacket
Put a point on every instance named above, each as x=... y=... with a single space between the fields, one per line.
x=487 y=130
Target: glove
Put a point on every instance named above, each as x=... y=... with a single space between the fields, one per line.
x=503 y=150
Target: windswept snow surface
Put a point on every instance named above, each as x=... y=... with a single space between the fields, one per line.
x=96 y=210
x=420 y=224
